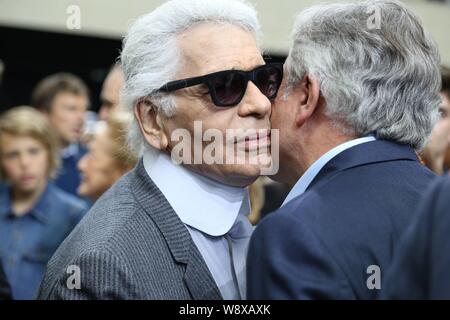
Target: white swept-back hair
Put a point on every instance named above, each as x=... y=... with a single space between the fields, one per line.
x=382 y=80
x=151 y=57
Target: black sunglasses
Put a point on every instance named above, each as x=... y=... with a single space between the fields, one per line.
x=227 y=88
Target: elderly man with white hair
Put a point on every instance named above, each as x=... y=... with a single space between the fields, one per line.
x=359 y=98
x=169 y=231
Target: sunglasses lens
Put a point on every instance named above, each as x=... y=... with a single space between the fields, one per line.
x=268 y=81
x=229 y=88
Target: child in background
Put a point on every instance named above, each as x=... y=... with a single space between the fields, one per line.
x=35 y=216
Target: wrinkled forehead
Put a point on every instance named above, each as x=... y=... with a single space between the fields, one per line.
x=210 y=47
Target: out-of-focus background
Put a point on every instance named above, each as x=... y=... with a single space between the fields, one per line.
x=38 y=38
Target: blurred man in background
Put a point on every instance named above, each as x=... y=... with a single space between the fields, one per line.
x=64 y=99
x=439 y=143
x=110 y=94
x=110 y=103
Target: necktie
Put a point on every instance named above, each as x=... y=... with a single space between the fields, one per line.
x=237 y=240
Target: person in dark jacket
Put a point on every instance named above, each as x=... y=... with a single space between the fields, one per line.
x=422 y=260
x=351 y=114
x=178 y=230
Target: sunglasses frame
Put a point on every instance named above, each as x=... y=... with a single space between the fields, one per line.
x=207 y=80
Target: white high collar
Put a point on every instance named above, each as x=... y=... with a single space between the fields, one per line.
x=200 y=202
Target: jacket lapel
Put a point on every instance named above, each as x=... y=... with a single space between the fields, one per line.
x=197 y=276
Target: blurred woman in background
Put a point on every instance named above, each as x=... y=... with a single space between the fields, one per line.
x=35 y=216
x=108 y=157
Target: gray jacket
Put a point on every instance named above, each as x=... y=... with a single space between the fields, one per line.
x=131 y=245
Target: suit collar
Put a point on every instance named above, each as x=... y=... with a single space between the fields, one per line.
x=364 y=154
x=308 y=176
x=197 y=275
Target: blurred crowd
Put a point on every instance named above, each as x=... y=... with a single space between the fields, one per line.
x=57 y=159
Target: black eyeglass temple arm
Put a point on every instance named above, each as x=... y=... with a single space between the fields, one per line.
x=181 y=84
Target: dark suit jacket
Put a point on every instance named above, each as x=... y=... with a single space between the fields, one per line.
x=320 y=244
x=130 y=245
x=5 y=292
x=69 y=176
x=421 y=266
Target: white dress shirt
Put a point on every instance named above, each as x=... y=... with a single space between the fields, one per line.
x=309 y=175
x=70 y=151
x=211 y=211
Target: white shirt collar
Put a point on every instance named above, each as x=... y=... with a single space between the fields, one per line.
x=69 y=151
x=200 y=202
x=309 y=175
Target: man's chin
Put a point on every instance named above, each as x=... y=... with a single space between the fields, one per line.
x=229 y=174
x=240 y=175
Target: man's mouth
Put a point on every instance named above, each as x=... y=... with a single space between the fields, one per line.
x=254 y=140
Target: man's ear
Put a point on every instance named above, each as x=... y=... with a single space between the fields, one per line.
x=308 y=97
x=150 y=124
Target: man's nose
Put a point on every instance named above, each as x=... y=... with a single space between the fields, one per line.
x=254 y=103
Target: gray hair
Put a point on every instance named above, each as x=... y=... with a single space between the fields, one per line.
x=150 y=56
x=384 y=81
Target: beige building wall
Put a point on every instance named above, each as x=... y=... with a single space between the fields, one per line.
x=111 y=19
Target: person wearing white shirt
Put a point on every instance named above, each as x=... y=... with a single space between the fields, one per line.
x=174 y=229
